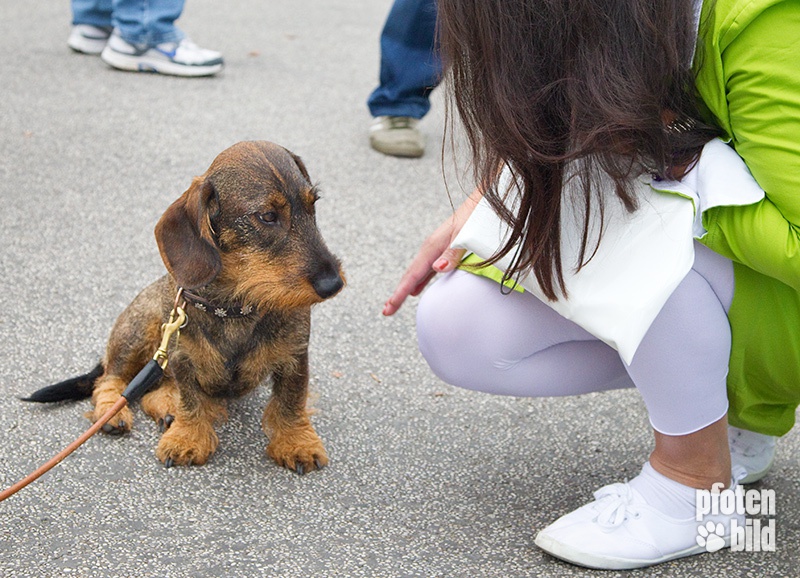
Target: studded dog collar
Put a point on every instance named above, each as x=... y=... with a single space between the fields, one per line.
x=217 y=310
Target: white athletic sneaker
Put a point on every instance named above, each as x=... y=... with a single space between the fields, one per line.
x=752 y=451
x=397 y=136
x=182 y=58
x=88 y=39
x=620 y=531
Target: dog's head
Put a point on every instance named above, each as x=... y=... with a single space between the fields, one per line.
x=248 y=226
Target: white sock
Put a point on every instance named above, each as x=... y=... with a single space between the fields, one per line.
x=664 y=494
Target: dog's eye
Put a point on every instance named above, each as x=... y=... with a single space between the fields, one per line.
x=268 y=218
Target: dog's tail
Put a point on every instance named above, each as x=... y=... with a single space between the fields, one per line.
x=71 y=389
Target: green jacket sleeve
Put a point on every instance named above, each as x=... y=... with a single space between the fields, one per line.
x=760 y=71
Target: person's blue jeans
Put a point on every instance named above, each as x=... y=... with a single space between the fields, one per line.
x=140 y=22
x=410 y=66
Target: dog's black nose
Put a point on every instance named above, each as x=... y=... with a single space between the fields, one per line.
x=327 y=284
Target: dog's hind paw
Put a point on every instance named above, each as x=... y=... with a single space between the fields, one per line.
x=106 y=394
x=115 y=431
x=117 y=425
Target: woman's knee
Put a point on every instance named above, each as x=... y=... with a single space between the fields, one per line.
x=445 y=333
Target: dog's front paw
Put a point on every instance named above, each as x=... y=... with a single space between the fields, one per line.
x=186 y=444
x=298 y=449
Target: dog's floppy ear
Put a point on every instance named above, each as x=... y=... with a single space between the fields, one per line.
x=186 y=239
x=298 y=161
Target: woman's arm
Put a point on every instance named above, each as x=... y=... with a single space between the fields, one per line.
x=762 y=78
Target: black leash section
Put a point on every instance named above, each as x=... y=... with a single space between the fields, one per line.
x=137 y=387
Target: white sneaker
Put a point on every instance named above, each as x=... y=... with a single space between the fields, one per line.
x=182 y=58
x=397 y=136
x=752 y=451
x=88 y=39
x=620 y=531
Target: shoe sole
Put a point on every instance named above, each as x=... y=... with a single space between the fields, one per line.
x=568 y=554
x=144 y=64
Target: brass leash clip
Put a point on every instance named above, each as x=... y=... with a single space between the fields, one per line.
x=154 y=370
x=177 y=320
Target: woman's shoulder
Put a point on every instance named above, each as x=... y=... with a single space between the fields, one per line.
x=727 y=18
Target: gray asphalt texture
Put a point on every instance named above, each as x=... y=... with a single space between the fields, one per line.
x=425 y=479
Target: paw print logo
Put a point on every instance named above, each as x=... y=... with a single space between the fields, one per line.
x=710 y=536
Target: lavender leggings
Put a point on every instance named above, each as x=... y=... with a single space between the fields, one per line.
x=475 y=337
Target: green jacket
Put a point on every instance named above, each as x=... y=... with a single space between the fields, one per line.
x=749 y=78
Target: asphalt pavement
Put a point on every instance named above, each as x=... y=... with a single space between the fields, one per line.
x=425 y=480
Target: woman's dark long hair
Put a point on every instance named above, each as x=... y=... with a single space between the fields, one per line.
x=541 y=83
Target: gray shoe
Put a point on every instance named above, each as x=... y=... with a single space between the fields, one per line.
x=182 y=58
x=397 y=136
x=88 y=39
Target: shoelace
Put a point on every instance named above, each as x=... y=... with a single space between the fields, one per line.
x=616 y=501
x=738 y=473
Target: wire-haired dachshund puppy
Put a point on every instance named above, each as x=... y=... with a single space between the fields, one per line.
x=243 y=243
